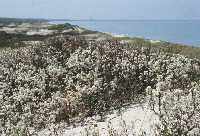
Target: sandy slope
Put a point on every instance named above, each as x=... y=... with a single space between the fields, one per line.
x=136 y=119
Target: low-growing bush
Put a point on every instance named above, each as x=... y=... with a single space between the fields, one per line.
x=68 y=78
x=61 y=27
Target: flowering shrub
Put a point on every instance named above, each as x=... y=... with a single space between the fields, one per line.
x=66 y=79
x=175 y=97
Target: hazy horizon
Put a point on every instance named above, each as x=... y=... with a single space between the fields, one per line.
x=91 y=19
x=102 y=10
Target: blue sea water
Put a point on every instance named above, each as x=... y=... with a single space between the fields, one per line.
x=185 y=32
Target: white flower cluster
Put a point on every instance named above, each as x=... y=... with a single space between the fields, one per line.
x=68 y=78
x=176 y=95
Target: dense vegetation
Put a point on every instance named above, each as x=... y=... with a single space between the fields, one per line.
x=68 y=78
x=6 y=21
x=61 y=27
x=189 y=51
x=16 y=40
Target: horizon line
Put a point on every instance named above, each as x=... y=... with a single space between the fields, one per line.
x=123 y=19
x=91 y=19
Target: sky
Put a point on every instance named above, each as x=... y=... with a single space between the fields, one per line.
x=101 y=9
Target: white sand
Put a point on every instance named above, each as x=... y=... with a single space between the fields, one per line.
x=154 y=41
x=40 y=32
x=138 y=119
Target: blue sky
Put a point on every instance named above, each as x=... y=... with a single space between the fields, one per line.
x=101 y=9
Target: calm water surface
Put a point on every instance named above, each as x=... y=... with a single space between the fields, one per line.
x=184 y=32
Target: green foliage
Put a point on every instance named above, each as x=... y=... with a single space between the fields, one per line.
x=189 y=51
x=167 y=47
x=16 y=40
x=61 y=27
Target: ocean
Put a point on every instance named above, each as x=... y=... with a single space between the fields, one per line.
x=185 y=32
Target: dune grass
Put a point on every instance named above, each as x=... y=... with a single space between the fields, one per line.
x=189 y=51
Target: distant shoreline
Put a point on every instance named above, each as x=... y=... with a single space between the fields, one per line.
x=181 y=32
x=31 y=31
